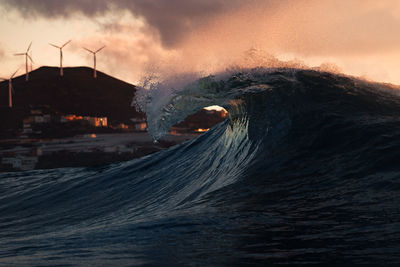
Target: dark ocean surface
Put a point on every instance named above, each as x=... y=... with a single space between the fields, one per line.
x=305 y=171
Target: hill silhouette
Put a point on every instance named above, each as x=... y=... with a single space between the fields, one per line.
x=77 y=92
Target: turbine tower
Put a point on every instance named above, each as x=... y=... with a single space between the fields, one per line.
x=94 y=59
x=31 y=60
x=10 y=88
x=61 y=56
x=27 y=56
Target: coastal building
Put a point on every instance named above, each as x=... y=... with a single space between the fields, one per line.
x=27 y=129
x=139 y=124
x=39 y=119
x=36 y=111
x=20 y=163
x=142 y=126
x=14 y=163
x=70 y=117
x=122 y=126
x=93 y=121
x=29 y=120
x=96 y=121
x=28 y=163
x=42 y=118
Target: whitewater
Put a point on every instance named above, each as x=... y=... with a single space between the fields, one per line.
x=305 y=170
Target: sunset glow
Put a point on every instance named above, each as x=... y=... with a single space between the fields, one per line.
x=354 y=37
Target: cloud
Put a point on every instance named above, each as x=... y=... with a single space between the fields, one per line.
x=52 y=9
x=305 y=26
x=209 y=35
x=173 y=19
x=2 y=52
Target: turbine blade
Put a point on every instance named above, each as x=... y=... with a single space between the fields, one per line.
x=88 y=50
x=19 y=54
x=54 y=45
x=29 y=47
x=3 y=79
x=65 y=43
x=12 y=76
x=100 y=49
x=12 y=89
x=30 y=58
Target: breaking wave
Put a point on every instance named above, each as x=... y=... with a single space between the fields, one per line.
x=304 y=171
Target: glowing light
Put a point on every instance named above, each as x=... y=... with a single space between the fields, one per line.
x=201 y=130
x=218 y=108
x=73 y=117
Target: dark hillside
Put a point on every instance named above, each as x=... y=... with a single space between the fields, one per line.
x=77 y=92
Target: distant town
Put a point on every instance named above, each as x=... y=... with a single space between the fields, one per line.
x=47 y=140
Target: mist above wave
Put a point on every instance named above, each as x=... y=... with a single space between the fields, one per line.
x=168 y=99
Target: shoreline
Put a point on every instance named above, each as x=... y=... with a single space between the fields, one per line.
x=87 y=150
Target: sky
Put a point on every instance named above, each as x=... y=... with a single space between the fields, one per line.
x=165 y=37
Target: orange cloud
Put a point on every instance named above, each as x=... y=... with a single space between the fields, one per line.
x=170 y=36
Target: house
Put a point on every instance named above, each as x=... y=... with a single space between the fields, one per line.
x=21 y=163
x=97 y=121
x=15 y=163
x=93 y=121
x=139 y=124
x=36 y=111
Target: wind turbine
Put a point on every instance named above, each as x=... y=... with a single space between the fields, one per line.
x=94 y=59
x=61 y=55
x=31 y=60
x=10 y=88
x=26 y=60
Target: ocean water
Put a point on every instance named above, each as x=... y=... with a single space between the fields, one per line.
x=306 y=170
